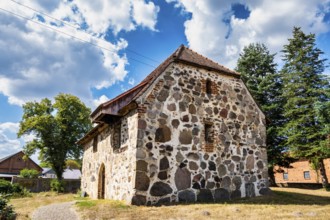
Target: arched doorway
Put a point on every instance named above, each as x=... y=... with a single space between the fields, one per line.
x=101 y=184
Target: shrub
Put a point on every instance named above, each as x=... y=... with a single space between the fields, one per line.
x=29 y=174
x=15 y=190
x=5 y=187
x=57 y=185
x=6 y=211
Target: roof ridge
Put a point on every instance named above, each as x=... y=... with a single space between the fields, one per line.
x=6 y=157
x=182 y=54
x=212 y=61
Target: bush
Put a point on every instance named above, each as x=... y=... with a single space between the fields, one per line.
x=29 y=174
x=14 y=190
x=6 y=211
x=5 y=187
x=57 y=185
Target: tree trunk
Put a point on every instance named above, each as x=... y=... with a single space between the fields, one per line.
x=324 y=177
x=271 y=176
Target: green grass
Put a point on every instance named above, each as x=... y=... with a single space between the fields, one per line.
x=86 y=204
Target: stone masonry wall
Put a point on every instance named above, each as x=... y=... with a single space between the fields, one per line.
x=119 y=163
x=177 y=160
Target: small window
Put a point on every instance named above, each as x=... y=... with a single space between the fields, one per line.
x=116 y=136
x=307 y=175
x=209 y=134
x=285 y=176
x=209 y=137
x=208 y=87
x=95 y=144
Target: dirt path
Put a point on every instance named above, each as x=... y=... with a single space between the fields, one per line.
x=58 y=211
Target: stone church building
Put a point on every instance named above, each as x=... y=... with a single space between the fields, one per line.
x=189 y=132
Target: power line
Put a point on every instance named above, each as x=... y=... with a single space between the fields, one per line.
x=77 y=38
x=72 y=26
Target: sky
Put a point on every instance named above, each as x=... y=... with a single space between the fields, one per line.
x=98 y=49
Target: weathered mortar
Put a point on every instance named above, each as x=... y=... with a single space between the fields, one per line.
x=119 y=163
x=173 y=161
x=192 y=133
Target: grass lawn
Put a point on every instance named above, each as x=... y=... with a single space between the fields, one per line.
x=285 y=203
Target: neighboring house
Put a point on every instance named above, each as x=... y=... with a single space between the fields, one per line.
x=12 y=165
x=67 y=174
x=300 y=174
x=190 y=131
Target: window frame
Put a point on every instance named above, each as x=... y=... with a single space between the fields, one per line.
x=309 y=175
x=208 y=133
x=285 y=176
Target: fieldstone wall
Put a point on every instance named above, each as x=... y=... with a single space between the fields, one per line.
x=119 y=163
x=177 y=160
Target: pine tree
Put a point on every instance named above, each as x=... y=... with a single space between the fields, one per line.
x=304 y=86
x=258 y=71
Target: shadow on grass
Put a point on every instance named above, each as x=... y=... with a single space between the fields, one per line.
x=284 y=198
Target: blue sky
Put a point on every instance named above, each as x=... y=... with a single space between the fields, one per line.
x=42 y=56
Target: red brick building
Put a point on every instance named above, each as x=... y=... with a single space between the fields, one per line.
x=300 y=172
x=13 y=164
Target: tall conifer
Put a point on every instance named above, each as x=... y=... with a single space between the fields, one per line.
x=303 y=87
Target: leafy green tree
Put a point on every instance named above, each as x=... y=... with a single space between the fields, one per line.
x=72 y=164
x=258 y=71
x=57 y=127
x=29 y=173
x=304 y=87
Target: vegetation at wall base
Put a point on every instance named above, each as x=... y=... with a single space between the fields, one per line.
x=13 y=190
x=57 y=185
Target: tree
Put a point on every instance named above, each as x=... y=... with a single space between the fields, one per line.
x=56 y=127
x=258 y=71
x=29 y=173
x=304 y=87
x=73 y=164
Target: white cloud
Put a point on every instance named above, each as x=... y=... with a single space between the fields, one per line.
x=131 y=81
x=9 y=126
x=270 y=22
x=8 y=145
x=41 y=63
x=145 y=14
x=100 y=100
